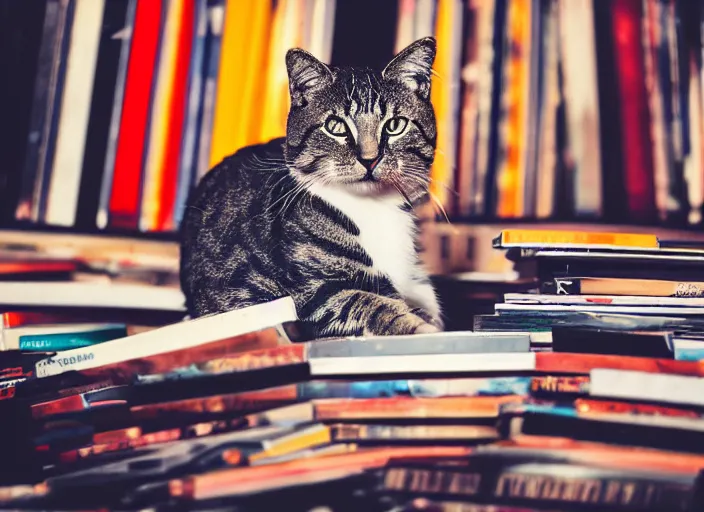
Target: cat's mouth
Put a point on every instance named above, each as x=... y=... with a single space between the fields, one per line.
x=370 y=186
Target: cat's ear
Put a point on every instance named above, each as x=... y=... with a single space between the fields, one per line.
x=305 y=73
x=412 y=66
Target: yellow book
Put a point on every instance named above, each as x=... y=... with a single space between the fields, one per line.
x=160 y=117
x=441 y=171
x=229 y=98
x=315 y=435
x=254 y=79
x=545 y=238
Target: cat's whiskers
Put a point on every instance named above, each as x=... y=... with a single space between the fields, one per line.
x=267 y=160
x=439 y=206
x=446 y=187
x=299 y=186
x=420 y=172
x=284 y=176
x=398 y=187
x=302 y=187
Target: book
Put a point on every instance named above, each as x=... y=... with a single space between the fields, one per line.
x=562 y=239
x=190 y=333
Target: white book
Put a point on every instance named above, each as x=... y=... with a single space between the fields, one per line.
x=323 y=24
x=584 y=308
x=179 y=336
x=91 y=295
x=75 y=112
x=657 y=387
x=577 y=40
x=425 y=16
x=423 y=363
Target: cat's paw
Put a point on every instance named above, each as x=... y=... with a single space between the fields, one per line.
x=402 y=325
x=433 y=321
x=426 y=329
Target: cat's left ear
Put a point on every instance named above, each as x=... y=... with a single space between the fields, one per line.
x=305 y=73
x=412 y=66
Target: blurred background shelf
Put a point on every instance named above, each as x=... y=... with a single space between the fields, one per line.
x=576 y=112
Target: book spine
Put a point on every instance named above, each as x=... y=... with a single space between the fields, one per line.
x=64 y=181
x=188 y=154
x=67 y=341
x=56 y=29
x=549 y=487
x=559 y=387
x=106 y=186
x=216 y=22
x=125 y=195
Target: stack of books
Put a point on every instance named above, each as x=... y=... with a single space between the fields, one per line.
x=611 y=293
x=562 y=409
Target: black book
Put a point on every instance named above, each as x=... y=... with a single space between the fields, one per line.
x=117 y=21
x=21 y=25
x=545 y=482
x=656 y=344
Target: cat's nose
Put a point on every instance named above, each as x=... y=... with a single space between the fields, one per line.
x=369 y=163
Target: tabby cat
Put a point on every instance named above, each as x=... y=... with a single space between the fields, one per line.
x=324 y=215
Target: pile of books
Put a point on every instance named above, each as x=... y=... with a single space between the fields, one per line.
x=555 y=403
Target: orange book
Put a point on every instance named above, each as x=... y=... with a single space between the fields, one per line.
x=442 y=93
x=407 y=408
x=511 y=175
x=544 y=238
x=558 y=362
x=247 y=401
x=588 y=407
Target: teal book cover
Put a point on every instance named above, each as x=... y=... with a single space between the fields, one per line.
x=70 y=340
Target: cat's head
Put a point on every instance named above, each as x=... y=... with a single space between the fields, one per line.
x=370 y=132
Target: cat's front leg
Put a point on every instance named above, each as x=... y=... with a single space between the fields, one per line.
x=350 y=312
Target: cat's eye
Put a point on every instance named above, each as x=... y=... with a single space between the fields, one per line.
x=396 y=125
x=336 y=126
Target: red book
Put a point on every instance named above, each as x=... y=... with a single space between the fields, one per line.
x=177 y=113
x=561 y=362
x=125 y=197
x=639 y=174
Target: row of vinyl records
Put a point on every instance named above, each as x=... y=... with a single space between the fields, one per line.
x=545 y=108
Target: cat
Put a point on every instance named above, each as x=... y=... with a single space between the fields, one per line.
x=325 y=215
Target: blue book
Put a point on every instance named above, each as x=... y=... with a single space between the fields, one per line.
x=58 y=342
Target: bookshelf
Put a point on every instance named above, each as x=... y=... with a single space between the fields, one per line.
x=567 y=113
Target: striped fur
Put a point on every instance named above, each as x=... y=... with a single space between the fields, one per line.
x=325 y=214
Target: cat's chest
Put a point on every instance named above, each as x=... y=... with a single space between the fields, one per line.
x=386 y=233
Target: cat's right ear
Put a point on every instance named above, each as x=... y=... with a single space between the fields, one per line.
x=413 y=66
x=305 y=73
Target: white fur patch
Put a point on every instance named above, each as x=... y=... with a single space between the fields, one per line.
x=387 y=236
